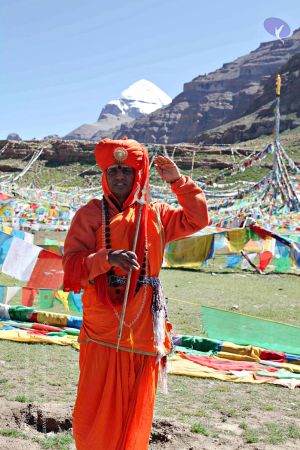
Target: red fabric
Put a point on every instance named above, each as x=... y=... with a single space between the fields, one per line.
x=261 y=232
x=46 y=254
x=225 y=364
x=33 y=317
x=4 y=197
x=43 y=327
x=37 y=332
x=269 y=355
x=264 y=259
x=47 y=272
x=28 y=296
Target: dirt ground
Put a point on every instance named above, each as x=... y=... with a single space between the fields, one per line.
x=33 y=422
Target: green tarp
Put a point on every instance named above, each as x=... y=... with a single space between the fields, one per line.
x=46 y=298
x=247 y=330
x=200 y=344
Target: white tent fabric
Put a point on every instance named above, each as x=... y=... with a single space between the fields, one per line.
x=28 y=237
x=11 y=291
x=4 y=312
x=21 y=259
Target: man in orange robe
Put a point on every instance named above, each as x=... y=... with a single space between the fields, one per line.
x=118 y=377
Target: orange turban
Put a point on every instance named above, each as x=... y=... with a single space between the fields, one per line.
x=109 y=152
x=123 y=151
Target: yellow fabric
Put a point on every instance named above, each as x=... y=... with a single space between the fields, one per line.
x=269 y=244
x=237 y=238
x=53 y=213
x=23 y=336
x=189 y=252
x=181 y=366
x=291 y=367
x=5 y=228
x=55 y=319
x=54 y=248
x=63 y=298
x=237 y=357
x=2 y=209
x=240 y=350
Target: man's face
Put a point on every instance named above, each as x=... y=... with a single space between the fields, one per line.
x=120 y=179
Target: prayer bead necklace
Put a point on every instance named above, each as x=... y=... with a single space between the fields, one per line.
x=144 y=272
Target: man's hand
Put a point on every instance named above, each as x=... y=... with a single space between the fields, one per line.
x=167 y=169
x=124 y=259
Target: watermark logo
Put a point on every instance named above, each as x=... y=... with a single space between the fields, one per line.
x=277 y=27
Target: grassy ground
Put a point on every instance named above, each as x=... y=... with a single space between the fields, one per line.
x=219 y=410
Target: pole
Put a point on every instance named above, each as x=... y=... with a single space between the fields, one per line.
x=138 y=223
x=277 y=120
x=250 y=262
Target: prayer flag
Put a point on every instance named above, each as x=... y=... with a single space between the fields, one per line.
x=75 y=302
x=5 y=243
x=232 y=261
x=47 y=272
x=20 y=259
x=11 y=291
x=28 y=296
x=46 y=298
x=63 y=298
x=1 y=294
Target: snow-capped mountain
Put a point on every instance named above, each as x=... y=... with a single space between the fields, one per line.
x=140 y=98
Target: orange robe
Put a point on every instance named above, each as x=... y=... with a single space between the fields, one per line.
x=116 y=390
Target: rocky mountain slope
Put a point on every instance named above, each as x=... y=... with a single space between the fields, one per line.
x=259 y=118
x=140 y=98
x=212 y=100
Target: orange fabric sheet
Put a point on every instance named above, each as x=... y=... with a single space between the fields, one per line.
x=116 y=393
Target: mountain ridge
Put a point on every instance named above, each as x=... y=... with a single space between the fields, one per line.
x=259 y=118
x=215 y=99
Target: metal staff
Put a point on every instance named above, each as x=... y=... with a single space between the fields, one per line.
x=142 y=202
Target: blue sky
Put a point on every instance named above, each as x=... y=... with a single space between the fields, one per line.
x=62 y=60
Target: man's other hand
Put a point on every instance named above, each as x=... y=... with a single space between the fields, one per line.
x=167 y=169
